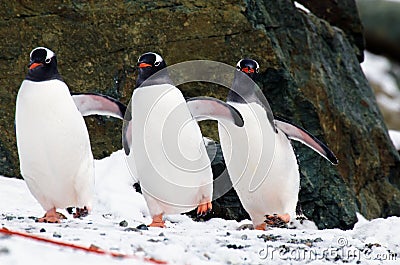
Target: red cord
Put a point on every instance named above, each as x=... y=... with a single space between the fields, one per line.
x=90 y=249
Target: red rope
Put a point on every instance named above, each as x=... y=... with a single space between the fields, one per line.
x=90 y=249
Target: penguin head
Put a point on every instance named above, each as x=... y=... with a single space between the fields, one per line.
x=248 y=66
x=42 y=65
x=242 y=87
x=41 y=57
x=148 y=64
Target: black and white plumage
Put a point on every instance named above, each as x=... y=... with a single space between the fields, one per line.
x=53 y=142
x=260 y=158
x=164 y=143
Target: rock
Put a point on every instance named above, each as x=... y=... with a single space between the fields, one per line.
x=4 y=251
x=342 y=14
x=234 y=246
x=142 y=227
x=123 y=223
x=137 y=187
x=326 y=93
x=382 y=26
x=310 y=74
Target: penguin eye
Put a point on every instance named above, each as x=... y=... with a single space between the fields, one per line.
x=238 y=68
x=157 y=64
x=257 y=70
x=48 y=60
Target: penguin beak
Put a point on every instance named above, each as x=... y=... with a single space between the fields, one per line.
x=34 y=65
x=248 y=70
x=144 y=65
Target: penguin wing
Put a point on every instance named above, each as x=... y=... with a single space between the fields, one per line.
x=98 y=104
x=207 y=108
x=299 y=134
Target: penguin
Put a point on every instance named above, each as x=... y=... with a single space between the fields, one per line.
x=260 y=159
x=164 y=144
x=53 y=144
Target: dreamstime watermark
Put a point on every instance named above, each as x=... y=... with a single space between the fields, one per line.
x=343 y=251
x=165 y=145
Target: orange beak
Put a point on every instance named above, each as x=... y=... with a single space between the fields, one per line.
x=143 y=65
x=34 y=65
x=247 y=70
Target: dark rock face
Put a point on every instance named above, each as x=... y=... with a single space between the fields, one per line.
x=310 y=73
x=344 y=15
x=322 y=91
x=226 y=202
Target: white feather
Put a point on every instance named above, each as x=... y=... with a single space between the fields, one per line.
x=168 y=151
x=261 y=164
x=53 y=145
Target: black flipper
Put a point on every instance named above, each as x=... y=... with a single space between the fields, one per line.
x=98 y=104
x=299 y=134
x=207 y=108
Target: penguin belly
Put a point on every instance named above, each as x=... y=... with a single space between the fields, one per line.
x=168 y=151
x=53 y=145
x=261 y=164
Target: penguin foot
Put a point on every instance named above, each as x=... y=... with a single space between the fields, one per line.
x=157 y=221
x=51 y=216
x=277 y=220
x=81 y=212
x=204 y=208
x=262 y=226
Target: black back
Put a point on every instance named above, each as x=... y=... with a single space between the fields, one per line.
x=244 y=89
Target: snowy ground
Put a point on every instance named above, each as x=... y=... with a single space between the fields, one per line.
x=184 y=241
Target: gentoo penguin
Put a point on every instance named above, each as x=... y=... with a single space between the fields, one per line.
x=259 y=156
x=164 y=144
x=53 y=143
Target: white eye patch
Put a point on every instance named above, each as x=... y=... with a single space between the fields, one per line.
x=238 y=64
x=258 y=67
x=159 y=59
x=49 y=53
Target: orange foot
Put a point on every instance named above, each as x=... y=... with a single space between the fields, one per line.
x=277 y=219
x=204 y=208
x=261 y=226
x=157 y=221
x=51 y=216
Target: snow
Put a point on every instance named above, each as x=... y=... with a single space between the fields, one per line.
x=184 y=241
x=395 y=136
x=301 y=7
x=377 y=69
